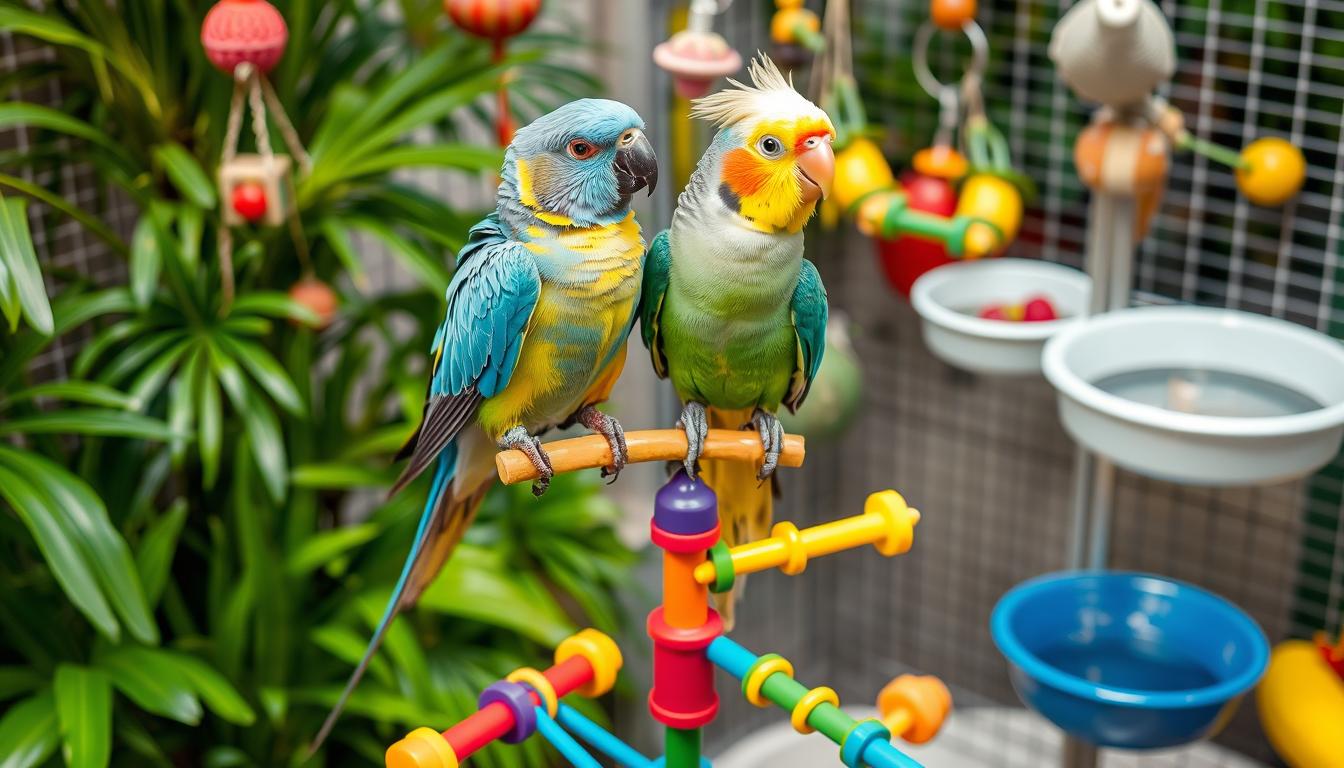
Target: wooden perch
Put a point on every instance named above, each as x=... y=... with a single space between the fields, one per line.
x=592 y=451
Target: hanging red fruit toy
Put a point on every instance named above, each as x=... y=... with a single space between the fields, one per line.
x=496 y=21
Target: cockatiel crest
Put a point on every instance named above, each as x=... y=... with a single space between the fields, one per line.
x=775 y=146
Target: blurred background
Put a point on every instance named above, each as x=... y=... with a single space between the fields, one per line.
x=193 y=531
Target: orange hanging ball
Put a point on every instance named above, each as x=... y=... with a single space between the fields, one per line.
x=237 y=31
x=492 y=19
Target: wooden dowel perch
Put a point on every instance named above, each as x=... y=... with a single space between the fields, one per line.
x=592 y=451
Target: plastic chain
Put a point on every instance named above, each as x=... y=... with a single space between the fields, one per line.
x=516 y=697
x=810 y=701
x=602 y=655
x=537 y=682
x=761 y=671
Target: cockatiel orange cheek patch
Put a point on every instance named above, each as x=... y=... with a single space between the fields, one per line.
x=744 y=172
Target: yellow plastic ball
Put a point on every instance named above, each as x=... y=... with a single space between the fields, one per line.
x=1273 y=173
x=860 y=169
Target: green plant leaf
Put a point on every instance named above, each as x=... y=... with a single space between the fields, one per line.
x=259 y=423
x=146 y=260
x=182 y=403
x=87 y=392
x=84 y=518
x=16 y=680
x=21 y=286
x=428 y=269
x=326 y=546
x=149 y=382
x=338 y=238
x=209 y=428
x=186 y=174
x=215 y=690
x=154 y=560
x=340 y=475
x=149 y=678
x=90 y=222
x=265 y=371
x=36 y=510
x=17 y=114
x=28 y=732
x=462 y=157
x=477 y=584
x=89 y=422
x=84 y=709
x=274 y=304
x=348 y=646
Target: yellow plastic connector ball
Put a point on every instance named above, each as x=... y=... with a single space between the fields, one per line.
x=1272 y=171
x=899 y=520
x=601 y=653
x=787 y=20
x=421 y=748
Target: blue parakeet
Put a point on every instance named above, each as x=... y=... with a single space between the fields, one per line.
x=731 y=311
x=539 y=310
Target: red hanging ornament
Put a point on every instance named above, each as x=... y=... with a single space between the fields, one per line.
x=249 y=200
x=237 y=31
x=496 y=21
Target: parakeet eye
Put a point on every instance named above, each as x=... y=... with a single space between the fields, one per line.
x=581 y=150
x=770 y=147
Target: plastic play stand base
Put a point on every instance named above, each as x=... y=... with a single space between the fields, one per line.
x=949 y=298
x=1192 y=447
x=1127 y=660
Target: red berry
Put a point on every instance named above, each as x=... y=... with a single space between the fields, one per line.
x=1039 y=309
x=249 y=200
x=993 y=313
x=316 y=296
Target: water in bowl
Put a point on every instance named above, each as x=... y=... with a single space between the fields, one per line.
x=1207 y=392
x=1122 y=663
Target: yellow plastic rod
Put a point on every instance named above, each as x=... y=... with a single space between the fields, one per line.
x=887 y=523
x=592 y=451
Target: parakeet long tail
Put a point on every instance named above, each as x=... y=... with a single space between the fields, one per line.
x=746 y=505
x=461 y=479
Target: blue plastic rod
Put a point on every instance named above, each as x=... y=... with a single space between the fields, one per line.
x=600 y=739
x=571 y=750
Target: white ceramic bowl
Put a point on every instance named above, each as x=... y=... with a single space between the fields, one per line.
x=1190 y=447
x=948 y=298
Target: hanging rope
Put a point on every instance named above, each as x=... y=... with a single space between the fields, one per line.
x=252 y=91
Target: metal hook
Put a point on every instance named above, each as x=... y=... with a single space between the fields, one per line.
x=924 y=75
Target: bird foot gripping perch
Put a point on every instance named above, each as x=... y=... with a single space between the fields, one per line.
x=688 y=635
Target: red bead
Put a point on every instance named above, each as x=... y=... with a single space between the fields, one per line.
x=1039 y=310
x=249 y=200
x=236 y=31
x=683 y=693
x=492 y=19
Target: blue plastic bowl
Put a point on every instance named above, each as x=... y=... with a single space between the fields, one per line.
x=1128 y=660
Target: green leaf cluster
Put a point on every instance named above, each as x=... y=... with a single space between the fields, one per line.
x=193 y=540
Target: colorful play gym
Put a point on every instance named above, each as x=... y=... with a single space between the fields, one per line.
x=672 y=384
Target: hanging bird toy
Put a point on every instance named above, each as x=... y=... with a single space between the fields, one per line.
x=496 y=21
x=245 y=39
x=697 y=55
x=796 y=34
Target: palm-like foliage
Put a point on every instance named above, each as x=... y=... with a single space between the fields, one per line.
x=176 y=583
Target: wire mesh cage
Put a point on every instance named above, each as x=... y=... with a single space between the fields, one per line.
x=985 y=459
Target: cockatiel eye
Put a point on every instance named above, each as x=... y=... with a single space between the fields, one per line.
x=770 y=147
x=580 y=149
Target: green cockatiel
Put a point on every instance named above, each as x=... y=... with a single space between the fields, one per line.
x=731 y=311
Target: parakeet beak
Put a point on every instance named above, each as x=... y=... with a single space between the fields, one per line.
x=636 y=165
x=817 y=167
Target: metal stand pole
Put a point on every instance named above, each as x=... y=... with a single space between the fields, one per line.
x=1110 y=263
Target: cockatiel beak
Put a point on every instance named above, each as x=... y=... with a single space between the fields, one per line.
x=816 y=164
x=636 y=164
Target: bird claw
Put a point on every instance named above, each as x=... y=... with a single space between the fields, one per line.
x=518 y=438
x=611 y=429
x=772 y=441
x=695 y=424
